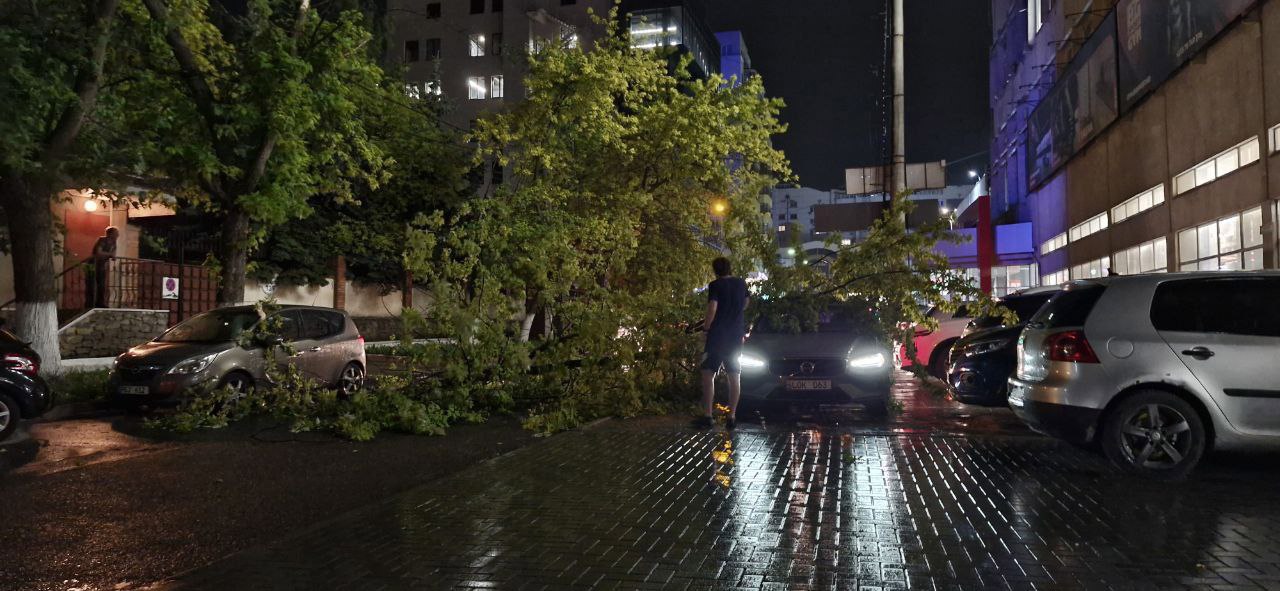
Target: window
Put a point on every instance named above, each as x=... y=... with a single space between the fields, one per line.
x=1148 y=257
x=413 y=90
x=477 y=88
x=431 y=49
x=317 y=324
x=497 y=6
x=432 y=87
x=1090 y=226
x=1092 y=269
x=411 y=51
x=1006 y=280
x=477 y=6
x=433 y=10
x=1241 y=306
x=1035 y=18
x=1231 y=243
x=1054 y=243
x=568 y=2
x=1234 y=158
x=1057 y=278
x=1138 y=204
x=495 y=44
x=475 y=43
x=1275 y=138
x=495 y=87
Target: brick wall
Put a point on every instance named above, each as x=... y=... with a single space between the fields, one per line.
x=109 y=332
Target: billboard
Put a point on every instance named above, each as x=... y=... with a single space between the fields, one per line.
x=1158 y=36
x=1082 y=104
x=920 y=176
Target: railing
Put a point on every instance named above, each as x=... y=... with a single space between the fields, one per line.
x=121 y=282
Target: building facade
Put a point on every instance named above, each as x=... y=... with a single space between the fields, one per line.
x=1138 y=136
x=474 y=52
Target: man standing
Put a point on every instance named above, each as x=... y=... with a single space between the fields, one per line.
x=103 y=251
x=725 y=329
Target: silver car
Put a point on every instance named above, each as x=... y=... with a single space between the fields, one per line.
x=207 y=350
x=1155 y=369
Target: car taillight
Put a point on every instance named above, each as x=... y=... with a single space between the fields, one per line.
x=1069 y=346
x=20 y=363
x=361 y=339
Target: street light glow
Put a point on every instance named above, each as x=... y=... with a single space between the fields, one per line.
x=91 y=205
x=973 y=174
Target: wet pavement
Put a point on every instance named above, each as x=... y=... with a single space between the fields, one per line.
x=940 y=497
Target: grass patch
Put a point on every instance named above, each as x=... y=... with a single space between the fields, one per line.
x=80 y=386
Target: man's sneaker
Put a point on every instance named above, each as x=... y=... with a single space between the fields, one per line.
x=703 y=423
x=731 y=424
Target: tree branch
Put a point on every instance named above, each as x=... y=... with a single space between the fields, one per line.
x=88 y=83
x=201 y=93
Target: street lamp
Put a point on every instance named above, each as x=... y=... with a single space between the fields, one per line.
x=719 y=207
x=91 y=205
x=973 y=174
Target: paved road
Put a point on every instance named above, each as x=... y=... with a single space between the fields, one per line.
x=943 y=497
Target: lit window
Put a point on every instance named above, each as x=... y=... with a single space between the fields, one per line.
x=1054 y=243
x=1088 y=227
x=1006 y=280
x=477 y=88
x=1035 y=18
x=413 y=90
x=1056 y=278
x=1092 y=269
x=1138 y=204
x=1223 y=164
x=782 y=228
x=1275 y=138
x=495 y=87
x=1148 y=257
x=1231 y=243
x=476 y=45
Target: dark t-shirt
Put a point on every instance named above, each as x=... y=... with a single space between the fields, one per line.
x=729 y=326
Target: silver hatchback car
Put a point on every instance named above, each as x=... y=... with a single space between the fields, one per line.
x=206 y=349
x=1155 y=369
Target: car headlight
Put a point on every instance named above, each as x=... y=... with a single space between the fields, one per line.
x=984 y=347
x=749 y=361
x=193 y=365
x=871 y=361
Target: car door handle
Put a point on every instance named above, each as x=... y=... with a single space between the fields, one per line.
x=1200 y=353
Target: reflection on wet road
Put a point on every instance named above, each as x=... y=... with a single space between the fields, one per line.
x=811 y=500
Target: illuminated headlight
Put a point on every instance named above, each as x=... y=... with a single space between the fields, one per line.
x=984 y=347
x=749 y=361
x=872 y=361
x=193 y=365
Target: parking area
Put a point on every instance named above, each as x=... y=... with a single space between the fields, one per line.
x=942 y=496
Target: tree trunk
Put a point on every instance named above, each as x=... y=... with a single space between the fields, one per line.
x=233 y=254
x=27 y=205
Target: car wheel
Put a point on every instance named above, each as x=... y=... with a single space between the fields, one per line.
x=9 y=417
x=938 y=359
x=238 y=381
x=351 y=380
x=1154 y=434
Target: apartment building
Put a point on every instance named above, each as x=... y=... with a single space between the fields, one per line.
x=1138 y=136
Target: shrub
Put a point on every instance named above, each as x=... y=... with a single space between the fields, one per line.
x=80 y=386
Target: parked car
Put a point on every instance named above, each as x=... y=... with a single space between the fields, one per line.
x=933 y=346
x=23 y=394
x=1155 y=369
x=206 y=350
x=983 y=359
x=837 y=358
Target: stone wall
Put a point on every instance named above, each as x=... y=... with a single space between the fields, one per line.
x=379 y=328
x=104 y=332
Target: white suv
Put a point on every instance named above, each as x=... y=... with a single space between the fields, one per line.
x=1155 y=369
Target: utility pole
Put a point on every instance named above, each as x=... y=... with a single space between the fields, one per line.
x=899 y=172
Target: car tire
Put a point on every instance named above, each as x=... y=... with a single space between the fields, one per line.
x=351 y=380
x=10 y=416
x=938 y=359
x=1154 y=434
x=237 y=380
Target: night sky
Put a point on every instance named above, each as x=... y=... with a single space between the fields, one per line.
x=822 y=58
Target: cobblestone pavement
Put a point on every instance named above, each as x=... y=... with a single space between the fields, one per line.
x=825 y=501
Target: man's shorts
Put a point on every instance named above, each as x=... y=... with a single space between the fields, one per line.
x=726 y=356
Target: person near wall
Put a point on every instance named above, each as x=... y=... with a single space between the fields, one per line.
x=103 y=251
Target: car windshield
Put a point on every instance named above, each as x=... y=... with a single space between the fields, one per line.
x=1025 y=306
x=219 y=326
x=833 y=318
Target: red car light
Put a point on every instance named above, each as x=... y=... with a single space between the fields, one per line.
x=1070 y=346
x=20 y=363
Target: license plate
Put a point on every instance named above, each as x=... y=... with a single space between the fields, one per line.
x=134 y=390
x=803 y=385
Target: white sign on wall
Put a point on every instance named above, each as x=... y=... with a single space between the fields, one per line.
x=169 y=288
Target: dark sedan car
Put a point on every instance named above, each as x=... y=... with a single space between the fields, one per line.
x=23 y=394
x=835 y=358
x=983 y=360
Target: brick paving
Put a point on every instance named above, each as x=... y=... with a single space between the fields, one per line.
x=826 y=504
